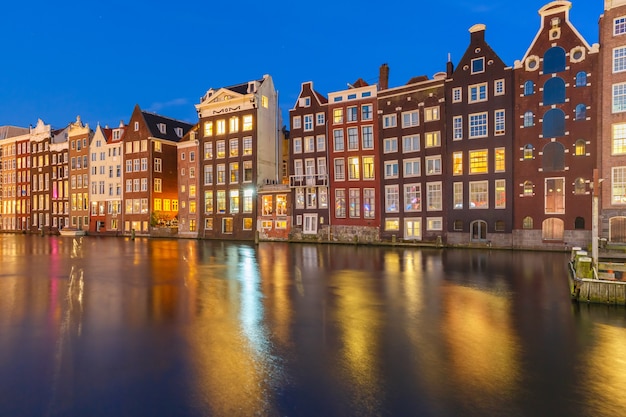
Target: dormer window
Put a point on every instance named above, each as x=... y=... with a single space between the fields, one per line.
x=116 y=134
x=161 y=127
x=478 y=65
x=179 y=132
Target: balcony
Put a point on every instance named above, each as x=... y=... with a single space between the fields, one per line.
x=312 y=180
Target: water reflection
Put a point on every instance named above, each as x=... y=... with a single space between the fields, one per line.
x=98 y=326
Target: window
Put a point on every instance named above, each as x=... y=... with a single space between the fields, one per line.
x=353 y=168
x=554 y=91
x=478 y=195
x=247 y=122
x=247 y=171
x=529 y=88
x=369 y=203
x=247 y=145
x=457 y=195
x=233 y=147
x=221 y=174
x=390 y=145
x=340 y=169
x=412 y=168
x=367 y=137
x=208 y=150
x=619 y=59
x=553 y=157
x=619 y=139
x=309 y=144
x=321 y=143
x=457 y=163
x=498 y=88
x=308 y=122
x=478 y=65
x=581 y=79
x=234 y=172
x=368 y=167
x=320 y=119
x=579 y=186
x=158 y=185
x=619 y=97
x=410 y=143
x=158 y=165
x=527 y=222
x=296 y=122
x=351 y=114
x=392 y=224
x=433 y=196
x=478 y=125
x=338 y=142
x=580 y=147
x=431 y=113
x=412 y=197
x=457 y=94
x=478 y=162
x=499 y=123
x=410 y=119
x=208 y=174
x=619 y=26
x=528 y=189
x=499 y=160
x=221 y=127
x=338 y=116
x=340 y=203
x=529 y=119
x=618 y=185
x=353 y=139
x=434 y=223
x=366 y=112
x=433 y=139
x=433 y=165
x=554 y=196
x=354 y=202
x=391 y=169
x=221 y=149
x=233 y=124
x=297 y=145
x=389 y=120
x=457 y=128
x=580 y=112
x=477 y=92
x=553 y=123
x=554 y=60
x=392 y=200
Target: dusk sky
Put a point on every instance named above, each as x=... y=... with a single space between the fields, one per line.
x=97 y=59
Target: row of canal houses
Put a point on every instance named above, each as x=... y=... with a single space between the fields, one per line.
x=482 y=153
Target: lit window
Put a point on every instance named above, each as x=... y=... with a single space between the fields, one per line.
x=233 y=147
x=619 y=139
x=431 y=113
x=392 y=199
x=221 y=127
x=233 y=124
x=500 y=194
x=618 y=185
x=221 y=149
x=580 y=149
x=580 y=186
x=478 y=162
x=368 y=167
x=264 y=102
x=478 y=195
x=208 y=128
x=457 y=195
x=247 y=122
x=412 y=197
x=528 y=151
x=499 y=163
x=338 y=116
x=457 y=163
x=353 y=168
x=247 y=145
x=433 y=139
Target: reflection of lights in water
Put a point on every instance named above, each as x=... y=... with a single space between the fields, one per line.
x=251 y=307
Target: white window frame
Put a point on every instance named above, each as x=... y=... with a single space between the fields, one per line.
x=390 y=120
x=478 y=191
x=433 y=165
x=457 y=94
x=619 y=59
x=498 y=87
x=477 y=93
x=499 y=122
x=410 y=118
x=619 y=25
x=618 y=98
x=411 y=143
x=412 y=168
x=457 y=128
x=391 y=169
x=478 y=125
x=432 y=113
x=390 y=145
x=482 y=61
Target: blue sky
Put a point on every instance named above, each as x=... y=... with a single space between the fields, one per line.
x=97 y=58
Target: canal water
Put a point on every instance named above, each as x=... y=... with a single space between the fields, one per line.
x=148 y=327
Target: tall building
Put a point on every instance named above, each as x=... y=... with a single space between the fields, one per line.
x=353 y=150
x=79 y=137
x=308 y=155
x=150 y=171
x=479 y=144
x=239 y=136
x=14 y=178
x=189 y=184
x=612 y=125
x=411 y=158
x=556 y=134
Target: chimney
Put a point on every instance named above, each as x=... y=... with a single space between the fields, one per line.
x=477 y=33
x=449 y=67
x=383 y=77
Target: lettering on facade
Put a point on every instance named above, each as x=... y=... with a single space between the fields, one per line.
x=226 y=110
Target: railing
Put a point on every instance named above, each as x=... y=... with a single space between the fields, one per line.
x=310 y=180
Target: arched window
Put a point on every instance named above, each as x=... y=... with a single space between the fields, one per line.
x=580 y=147
x=553 y=157
x=579 y=223
x=554 y=91
x=553 y=123
x=528 y=151
x=581 y=112
x=581 y=79
x=552 y=229
x=478 y=230
x=527 y=223
x=528 y=188
x=529 y=88
x=579 y=186
x=529 y=119
x=554 y=60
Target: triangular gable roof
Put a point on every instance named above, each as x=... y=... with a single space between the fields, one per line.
x=321 y=100
x=359 y=83
x=485 y=49
x=555 y=7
